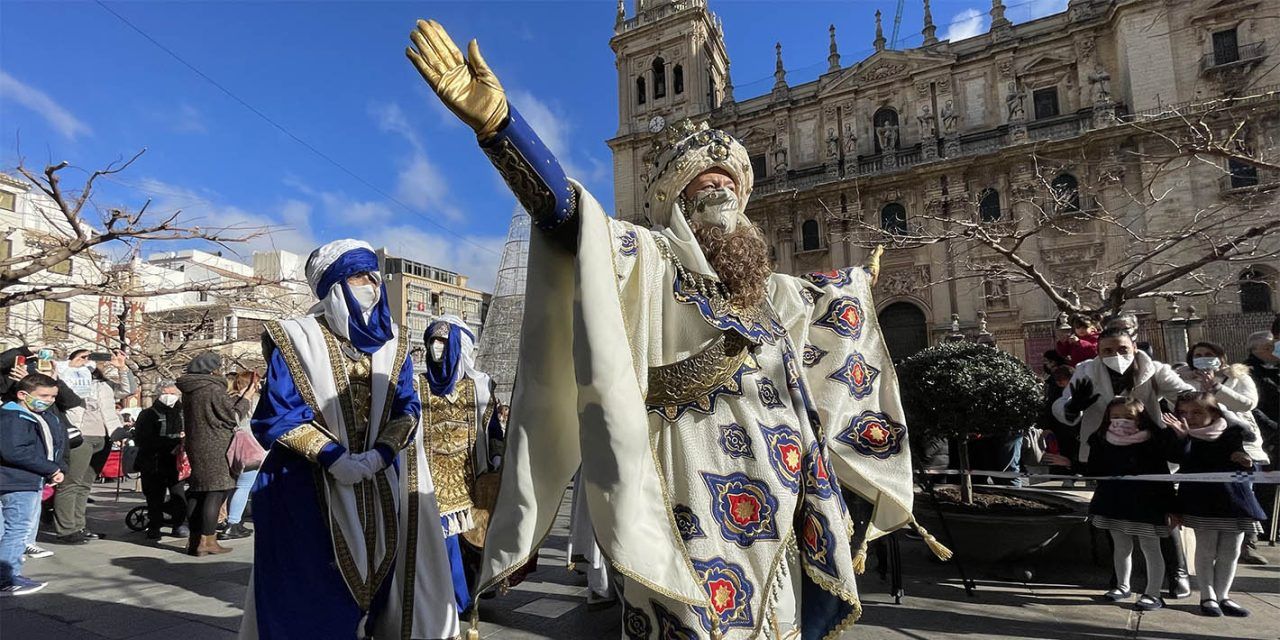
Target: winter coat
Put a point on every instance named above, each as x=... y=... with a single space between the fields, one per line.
x=1238 y=394
x=1136 y=500
x=1152 y=381
x=100 y=418
x=1085 y=348
x=1215 y=499
x=209 y=417
x=157 y=434
x=24 y=457
x=1267 y=414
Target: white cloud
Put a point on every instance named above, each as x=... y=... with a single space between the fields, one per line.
x=473 y=256
x=188 y=119
x=1041 y=8
x=390 y=118
x=966 y=24
x=62 y=120
x=291 y=227
x=419 y=183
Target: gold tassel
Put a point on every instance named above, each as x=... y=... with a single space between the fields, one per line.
x=860 y=558
x=936 y=547
x=474 y=632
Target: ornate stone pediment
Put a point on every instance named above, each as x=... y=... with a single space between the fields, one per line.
x=1046 y=64
x=884 y=66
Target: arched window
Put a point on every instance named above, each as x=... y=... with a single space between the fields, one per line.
x=1255 y=291
x=885 y=129
x=659 y=78
x=989 y=205
x=640 y=96
x=905 y=329
x=809 y=235
x=677 y=80
x=893 y=219
x=1066 y=193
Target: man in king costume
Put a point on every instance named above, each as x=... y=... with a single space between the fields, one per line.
x=711 y=403
x=461 y=440
x=338 y=404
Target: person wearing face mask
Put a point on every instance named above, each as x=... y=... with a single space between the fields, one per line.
x=336 y=406
x=158 y=432
x=710 y=402
x=32 y=447
x=1264 y=367
x=1122 y=370
x=460 y=441
x=1119 y=370
x=1220 y=513
x=1236 y=391
x=1128 y=444
x=1232 y=385
x=208 y=422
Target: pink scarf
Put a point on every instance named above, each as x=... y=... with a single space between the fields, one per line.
x=1123 y=434
x=1210 y=432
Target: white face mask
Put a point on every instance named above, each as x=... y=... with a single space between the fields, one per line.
x=437 y=350
x=718 y=207
x=366 y=295
x=168 y=399
x=1118 y=364
x=1211 y=363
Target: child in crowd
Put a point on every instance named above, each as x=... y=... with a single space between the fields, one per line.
x=1128 y=444
x=1219 y=512
x=1082 y=343
x=32 y=450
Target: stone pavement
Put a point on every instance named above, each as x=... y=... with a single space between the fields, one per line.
x=126 y=587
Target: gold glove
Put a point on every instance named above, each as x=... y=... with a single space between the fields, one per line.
x=873 y=263
x=466 y=86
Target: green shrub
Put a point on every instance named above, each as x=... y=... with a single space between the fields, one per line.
x=963 y=389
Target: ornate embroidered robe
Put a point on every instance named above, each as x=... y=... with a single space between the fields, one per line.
x=711 y=438
x=324 y=550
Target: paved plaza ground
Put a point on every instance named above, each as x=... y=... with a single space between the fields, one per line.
x=127 y=587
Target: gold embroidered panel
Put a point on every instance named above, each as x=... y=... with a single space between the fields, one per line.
x=449 y=432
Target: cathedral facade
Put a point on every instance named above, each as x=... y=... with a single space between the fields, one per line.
x=1016 y=135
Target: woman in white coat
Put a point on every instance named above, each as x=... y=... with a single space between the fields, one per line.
x=1122 y=370
x=1119 y=370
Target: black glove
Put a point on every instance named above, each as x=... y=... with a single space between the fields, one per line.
x=1082 y=396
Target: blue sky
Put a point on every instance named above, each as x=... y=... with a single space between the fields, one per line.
x=78 y=84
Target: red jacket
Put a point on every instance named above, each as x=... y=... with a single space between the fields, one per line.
x=1085 y=348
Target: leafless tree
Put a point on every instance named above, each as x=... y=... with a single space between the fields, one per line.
x=1124 y=206
x=78 y=235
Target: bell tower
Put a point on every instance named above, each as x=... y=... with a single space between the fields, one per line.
x=671 y=65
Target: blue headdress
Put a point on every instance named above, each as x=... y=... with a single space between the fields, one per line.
x=327 y=271
x=443 y=376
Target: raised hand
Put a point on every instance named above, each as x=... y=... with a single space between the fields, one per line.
x=1082 y=395
x=466 y=86
x=1174 y=423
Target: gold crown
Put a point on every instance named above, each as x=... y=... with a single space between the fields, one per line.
x=673 y=134
x=681 y=138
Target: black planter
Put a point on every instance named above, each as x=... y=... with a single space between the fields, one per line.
x=1003 y=538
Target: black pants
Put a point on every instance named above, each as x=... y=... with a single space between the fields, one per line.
x=203 y=508
x=1175 y=559
x=166 y=500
